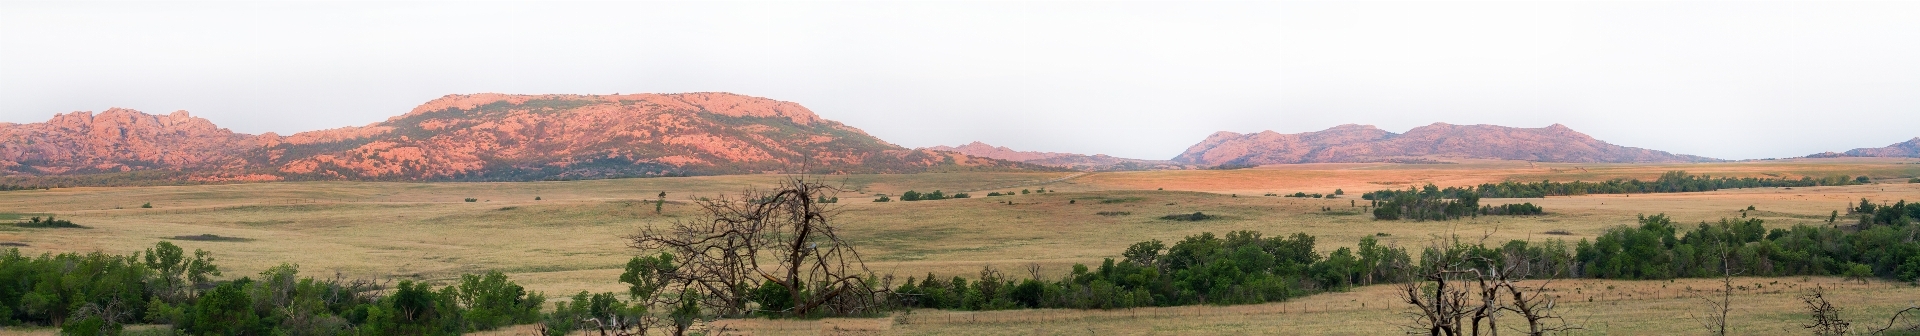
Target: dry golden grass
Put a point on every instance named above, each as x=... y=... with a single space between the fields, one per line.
x=571 y=239
x=1768 y=306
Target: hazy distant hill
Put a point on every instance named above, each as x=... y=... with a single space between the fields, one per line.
x=1909 y=148
x=1363 y=143
x=485 y=137
x=1097 y=162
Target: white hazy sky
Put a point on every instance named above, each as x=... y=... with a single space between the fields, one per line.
x=1724 y=79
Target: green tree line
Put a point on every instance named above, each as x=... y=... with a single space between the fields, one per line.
x=1669 y=182
x=98 y=294
x=1244 y=267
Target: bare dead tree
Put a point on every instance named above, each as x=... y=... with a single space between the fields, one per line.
x=1532 y=303
x=114 y=313
x=1895 y=320
x=721 y=252
x=1716 y=319
x=1439 y=307
x=1441 y=298
x=1464 y=293
x=1826 y=317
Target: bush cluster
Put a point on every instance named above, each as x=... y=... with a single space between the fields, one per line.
x=1192 y=217
x=932 y=196
x=1202 y=269
x=1246 y=268
x=1669 y=182
x=98 y=293
x=1521 y=209
x=1431 y=204
x=1658 y=249
x=49 y=223
x=12 y=187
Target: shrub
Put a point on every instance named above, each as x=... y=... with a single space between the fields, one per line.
x=1113 y=213
x=961 y=195
x=883 y=198
x=471 y=200
x=992 y=194
x=1914 y=180
x=148 y=205
x=49 y=223
x=1862 y=179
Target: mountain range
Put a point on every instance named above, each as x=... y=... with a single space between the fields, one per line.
x=484 y=137
x=504 y=137
x=1096 y=162
x=1364 y=143
x=1909 y=148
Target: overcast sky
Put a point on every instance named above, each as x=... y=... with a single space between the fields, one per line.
x=1733 y=80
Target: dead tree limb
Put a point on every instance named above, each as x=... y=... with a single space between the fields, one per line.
x=721 y=253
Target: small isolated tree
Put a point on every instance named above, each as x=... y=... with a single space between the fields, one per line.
x=722 y=255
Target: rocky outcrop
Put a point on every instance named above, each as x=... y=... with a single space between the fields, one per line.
x=485 y=137
x=119 y=140
x=1362 y=143
x=1097 y=162
x=1909 y=148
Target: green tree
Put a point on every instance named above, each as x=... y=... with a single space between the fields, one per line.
x=490 y=301
x=177 y=273
x=226 y=310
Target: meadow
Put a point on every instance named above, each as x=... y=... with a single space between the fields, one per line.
x=562 y=237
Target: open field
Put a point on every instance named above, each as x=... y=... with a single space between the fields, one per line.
x=570 y=239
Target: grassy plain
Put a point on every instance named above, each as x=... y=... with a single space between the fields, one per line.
x=571 y=238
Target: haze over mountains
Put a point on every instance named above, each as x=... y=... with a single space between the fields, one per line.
x=1096 y=162
x=501 y=137
x=1909 y=148
x=1363 y=143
